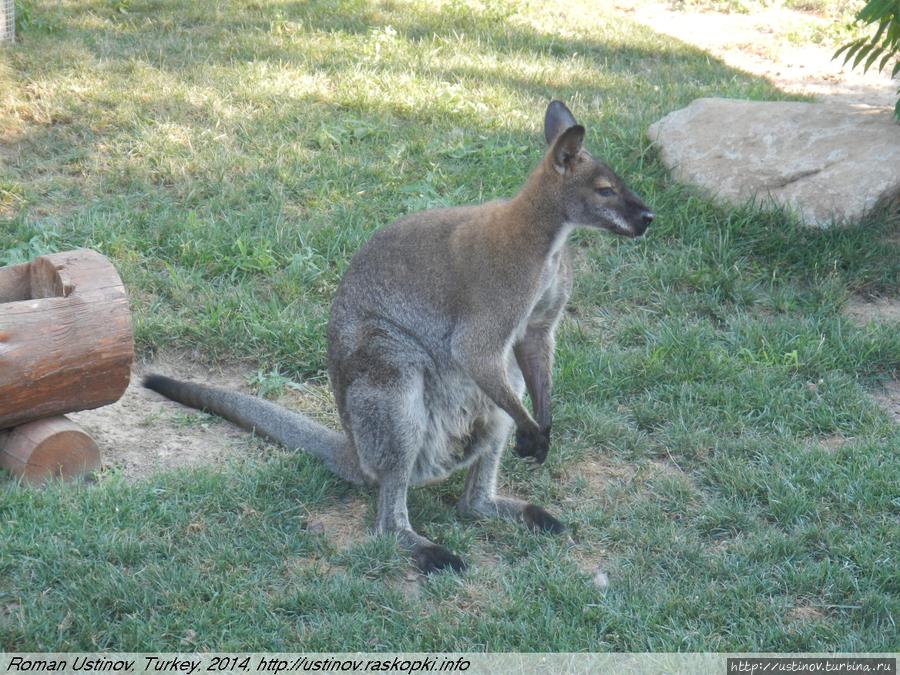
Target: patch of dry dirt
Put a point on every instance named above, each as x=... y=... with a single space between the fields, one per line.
x=758 y=43
x=889 y=398
x=600 y=473
x=344 y=523
x=831 y=443
x=144 y=432
x=805 y=613
x=881 y=309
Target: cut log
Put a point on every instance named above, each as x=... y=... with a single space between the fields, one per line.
x=66 y=341
x=55 y=447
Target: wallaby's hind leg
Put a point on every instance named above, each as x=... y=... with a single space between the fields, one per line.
x=387 y=424
x=393 y=517
x=480 y=493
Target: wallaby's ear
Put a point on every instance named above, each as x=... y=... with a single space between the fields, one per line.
x=566 y=147
x=557 y=119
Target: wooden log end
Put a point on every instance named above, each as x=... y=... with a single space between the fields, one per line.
x=66 y=338
x=54 y=447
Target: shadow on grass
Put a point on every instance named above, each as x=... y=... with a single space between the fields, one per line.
x=177 y=39
x=303 y=160
x=617 y=83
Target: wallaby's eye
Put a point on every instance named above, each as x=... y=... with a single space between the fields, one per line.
x=606 y=192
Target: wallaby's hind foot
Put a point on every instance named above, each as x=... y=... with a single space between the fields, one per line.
x=428 y=556
x=434 y=558
x=386 y=423
x=537 y=518
x=479 y=498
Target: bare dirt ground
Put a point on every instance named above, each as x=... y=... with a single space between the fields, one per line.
x=763 y=43
x=889 y=398
x=144 y=432
x=862 y=310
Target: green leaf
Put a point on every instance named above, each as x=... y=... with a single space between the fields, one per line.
x=893 y=34
x=884 y=24
x=861 y=54
x=874 y=10
x=875 y=54
x=840 y=50
x=853 y=48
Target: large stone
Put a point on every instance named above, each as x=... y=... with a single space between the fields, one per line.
x=829 y=162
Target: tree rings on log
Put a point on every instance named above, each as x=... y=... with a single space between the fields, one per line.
x=54 y=447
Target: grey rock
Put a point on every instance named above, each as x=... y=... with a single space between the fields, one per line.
x=830 y=162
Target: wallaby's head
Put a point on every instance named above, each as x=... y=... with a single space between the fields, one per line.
x=591 y=193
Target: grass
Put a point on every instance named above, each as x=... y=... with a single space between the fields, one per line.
x=718 y=452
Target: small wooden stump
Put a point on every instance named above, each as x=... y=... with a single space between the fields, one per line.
x=54 y=447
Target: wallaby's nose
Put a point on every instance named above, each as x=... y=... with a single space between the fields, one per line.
x=645 y=217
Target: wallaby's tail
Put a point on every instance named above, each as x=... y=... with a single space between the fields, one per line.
x=279 y=424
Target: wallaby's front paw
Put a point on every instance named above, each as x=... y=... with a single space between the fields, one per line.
x=533 y=444
x=538 y=519
x=433 y=558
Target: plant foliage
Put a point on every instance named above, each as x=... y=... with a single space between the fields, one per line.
x=883 y=46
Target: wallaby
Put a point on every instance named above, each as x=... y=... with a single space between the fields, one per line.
x=439 y=325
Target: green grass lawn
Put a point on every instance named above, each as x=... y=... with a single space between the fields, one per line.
x=718 y=452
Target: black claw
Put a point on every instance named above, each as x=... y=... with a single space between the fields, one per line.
x=538 y=519
x=531 y=445
x=434 y=558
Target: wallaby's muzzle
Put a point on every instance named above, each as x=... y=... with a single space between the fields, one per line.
x=633 y=218
x=644 y=219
